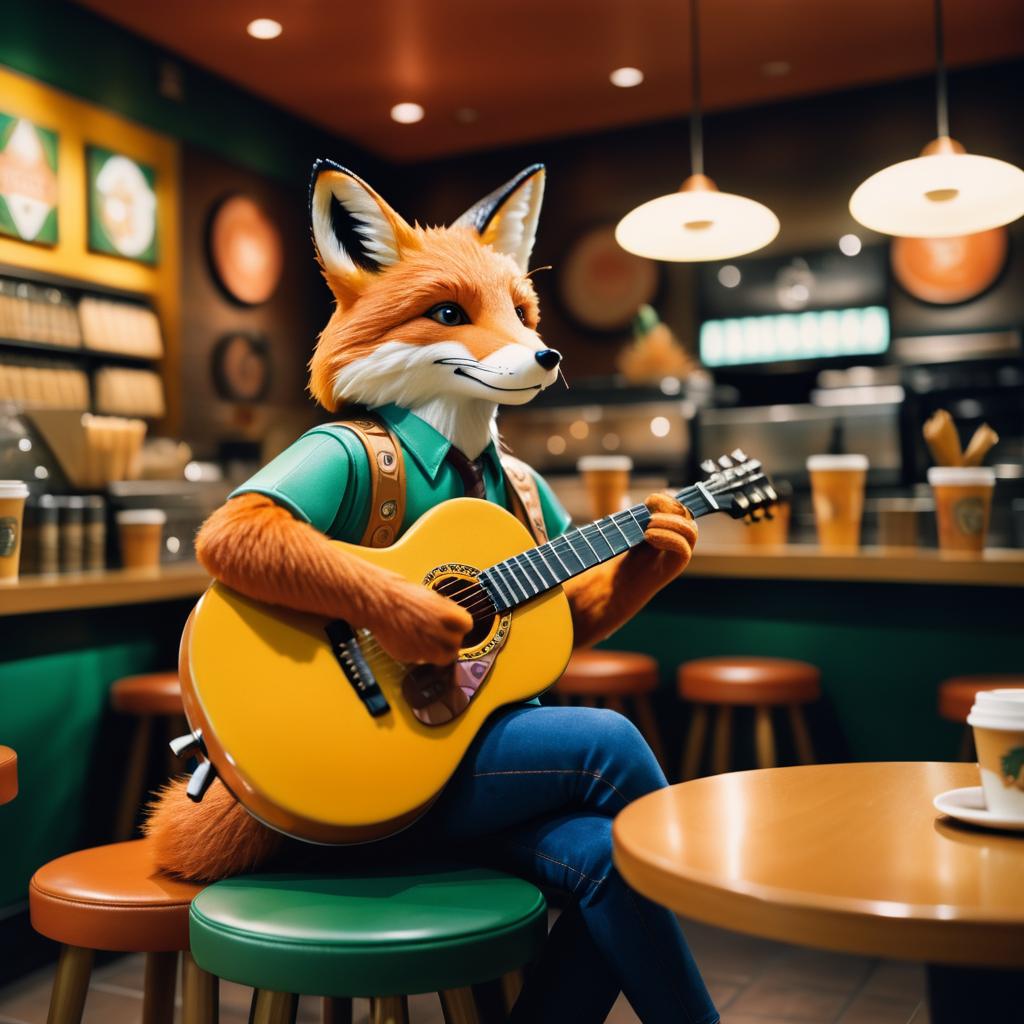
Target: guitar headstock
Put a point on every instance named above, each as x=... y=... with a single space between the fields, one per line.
x=739 y=486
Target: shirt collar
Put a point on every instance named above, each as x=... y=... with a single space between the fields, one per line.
x=427 y=446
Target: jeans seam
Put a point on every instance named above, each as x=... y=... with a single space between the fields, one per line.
x=568 y=867
x=558 y=771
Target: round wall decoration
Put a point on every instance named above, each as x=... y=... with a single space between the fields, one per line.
x=948 y=270
x=601 y=285
x=241 y=367
x=245 y=250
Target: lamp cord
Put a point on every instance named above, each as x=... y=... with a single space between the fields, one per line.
x=696 y=135
x=941 y=97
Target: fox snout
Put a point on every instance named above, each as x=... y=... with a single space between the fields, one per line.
x=548 y=358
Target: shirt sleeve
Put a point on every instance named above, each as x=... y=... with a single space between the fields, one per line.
x=556 y=519
x=312 y=478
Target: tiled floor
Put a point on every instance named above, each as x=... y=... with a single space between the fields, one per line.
x=753 y=981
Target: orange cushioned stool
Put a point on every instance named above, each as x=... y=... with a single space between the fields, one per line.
x=8 y=775
x=113 y=898
x=956 y=698
x=155 y=695
x=611 y=677
x=761 y=683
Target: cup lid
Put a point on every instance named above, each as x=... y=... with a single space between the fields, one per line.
x=998 y=709
x=13 y=489
x=960 y=476
x=141 y=517
x=837 y=462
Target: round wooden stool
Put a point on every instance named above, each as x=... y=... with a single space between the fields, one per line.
x=155 y=695
x=383 y=936
x=956 y=698
x=609 y=678
x=113 y=898
x=8 y=775
x=761 y=683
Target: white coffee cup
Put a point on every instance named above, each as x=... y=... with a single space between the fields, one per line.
x=997 y=719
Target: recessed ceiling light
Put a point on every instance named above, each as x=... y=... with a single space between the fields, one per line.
x=729 y=276
x=626 y=78
x=264 y=28
x=849 y=245
x=406 y=113
x=776 y=68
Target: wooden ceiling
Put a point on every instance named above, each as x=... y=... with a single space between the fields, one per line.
x=492 y=73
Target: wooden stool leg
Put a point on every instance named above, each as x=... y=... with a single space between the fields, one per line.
x=764 y=738
x=649 y=727
x=722 y=743
x=694 y=742
x=134 y=780
x=159 y=987
x=336 y=1010
x=967 y=751
x=511 y=986
x=459 y=1006
x=615 y=704
x=70 y=985
x=801 y=737
x=389 y=1010
x=273 y=1007
x=199 y=993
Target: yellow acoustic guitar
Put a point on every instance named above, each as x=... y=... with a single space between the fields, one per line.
x=323 y=736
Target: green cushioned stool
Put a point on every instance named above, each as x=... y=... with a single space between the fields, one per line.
x=382 y=936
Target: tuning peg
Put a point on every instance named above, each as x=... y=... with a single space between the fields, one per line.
x=725 y=462
x=770 y=491
x=188 y=745
x=739 y=455
x=201 y=780
x=709 y=466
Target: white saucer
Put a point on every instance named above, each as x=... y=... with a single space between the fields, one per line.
x=968 y=804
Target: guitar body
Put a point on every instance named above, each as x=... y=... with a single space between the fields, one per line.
x=289 y=734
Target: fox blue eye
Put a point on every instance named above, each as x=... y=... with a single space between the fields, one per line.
x=449 y=314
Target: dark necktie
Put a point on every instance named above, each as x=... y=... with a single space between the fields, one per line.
x=471 y=472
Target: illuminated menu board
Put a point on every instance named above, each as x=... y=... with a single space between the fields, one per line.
x=786 y=337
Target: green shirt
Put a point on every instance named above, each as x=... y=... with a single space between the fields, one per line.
x=324 y=477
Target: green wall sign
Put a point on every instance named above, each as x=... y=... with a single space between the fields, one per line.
x=28 y=181
x=122 y=206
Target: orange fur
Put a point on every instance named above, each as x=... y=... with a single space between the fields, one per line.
x=606 y=597
x=213 y=839
x=446 y=264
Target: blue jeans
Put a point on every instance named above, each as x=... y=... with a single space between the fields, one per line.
x=536 y=795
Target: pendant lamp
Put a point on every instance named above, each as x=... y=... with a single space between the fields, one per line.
x=698 y=222
x=945 y=191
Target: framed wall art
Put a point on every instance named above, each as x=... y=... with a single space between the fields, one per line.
x=28 y=181
x=122 y=206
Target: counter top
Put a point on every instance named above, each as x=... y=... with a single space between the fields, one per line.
x=997 y=567
x=71 y=591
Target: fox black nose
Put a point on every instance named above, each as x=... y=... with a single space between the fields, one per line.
x=549 y=358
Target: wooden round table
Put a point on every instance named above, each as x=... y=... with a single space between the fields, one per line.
x=848 y=857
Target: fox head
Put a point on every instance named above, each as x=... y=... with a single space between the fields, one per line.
x=442 y=321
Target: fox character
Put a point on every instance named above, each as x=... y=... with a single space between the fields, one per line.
x=443 y=322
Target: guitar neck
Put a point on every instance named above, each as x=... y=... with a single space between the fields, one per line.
x=523 y=577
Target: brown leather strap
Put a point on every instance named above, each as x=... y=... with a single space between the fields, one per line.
x=387 y=479
x=524 y=497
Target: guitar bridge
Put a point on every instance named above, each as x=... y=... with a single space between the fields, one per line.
x=347 y=652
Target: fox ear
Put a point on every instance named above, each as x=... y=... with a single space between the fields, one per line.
x=353 y=228
x=507 y=218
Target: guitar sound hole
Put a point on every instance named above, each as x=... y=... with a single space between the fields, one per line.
x=468 y=593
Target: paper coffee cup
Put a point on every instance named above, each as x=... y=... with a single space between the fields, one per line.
x=607 y=481
x=140 y=531
x=963 y=504
x=12 y=514
x=837 y=493
x=997 y=719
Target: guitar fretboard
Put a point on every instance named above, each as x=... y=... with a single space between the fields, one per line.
x=523 y=577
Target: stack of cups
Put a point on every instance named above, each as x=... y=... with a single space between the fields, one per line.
x=997 y=719
x=837 y=491
x=12 y=513
x=963 y=503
